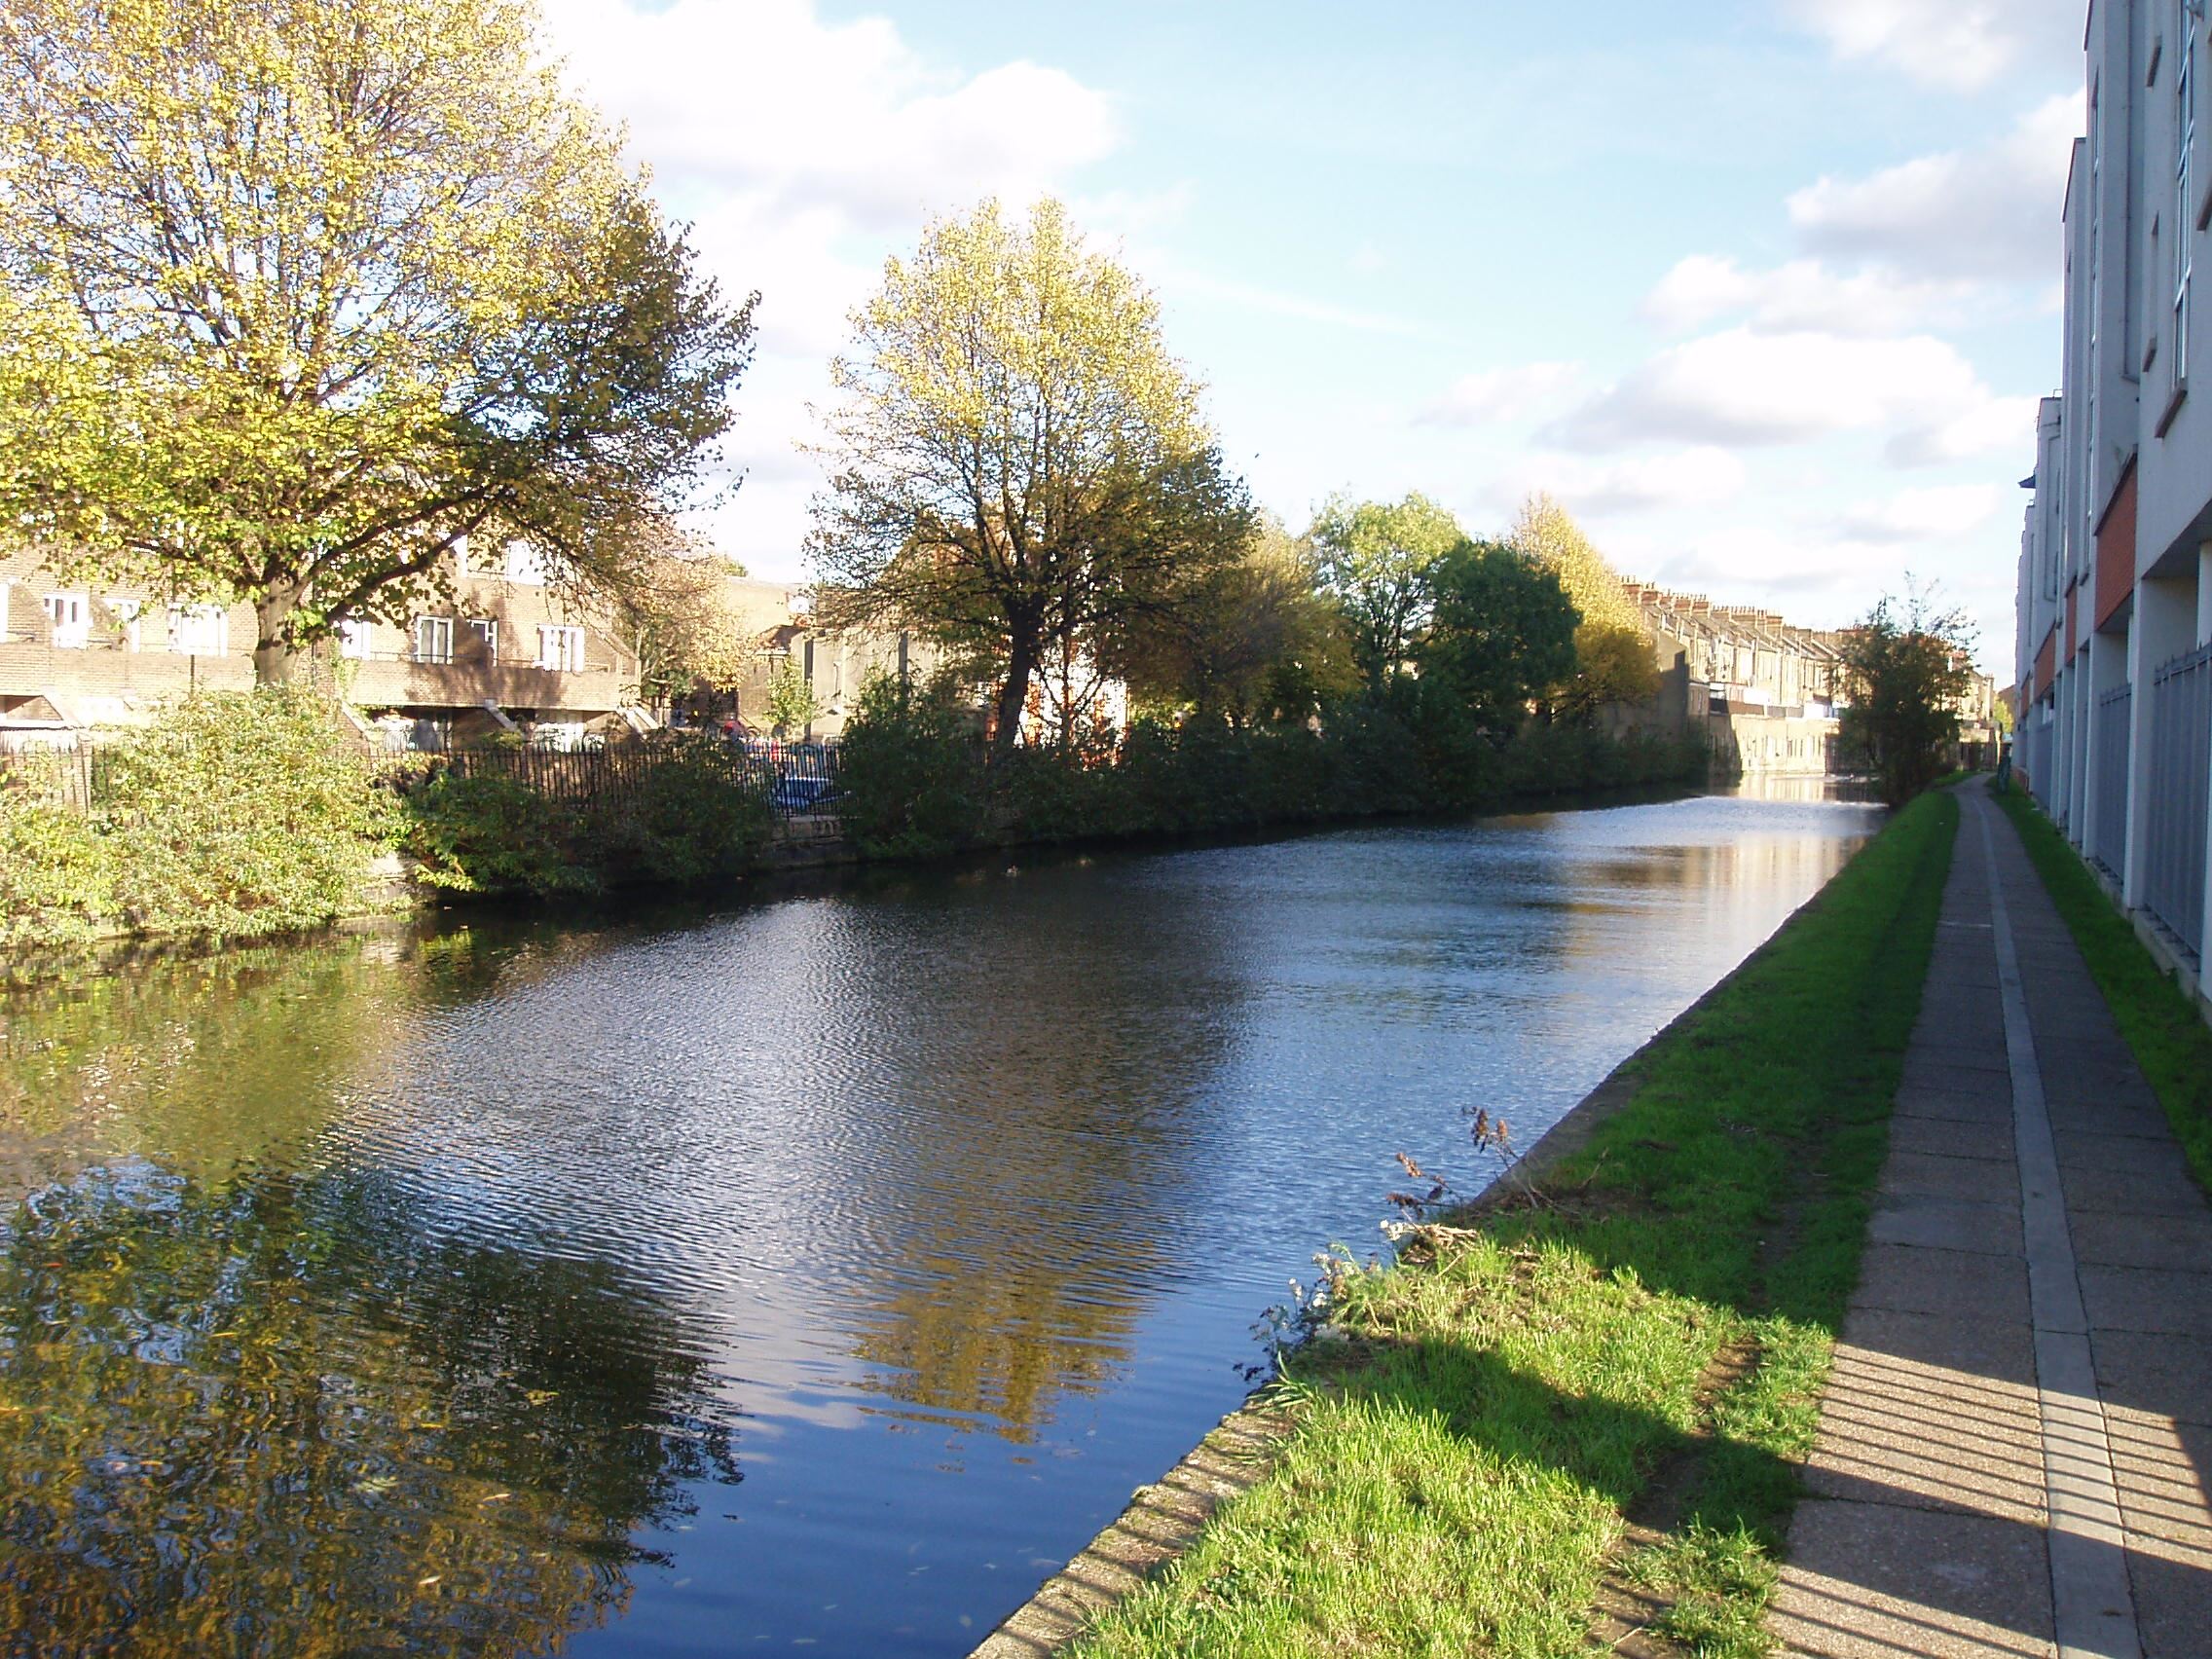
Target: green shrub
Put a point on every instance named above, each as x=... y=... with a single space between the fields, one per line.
x=492 y=835
x=57 y=881
x=240 y=814
x=911 y=779
x=692 y=818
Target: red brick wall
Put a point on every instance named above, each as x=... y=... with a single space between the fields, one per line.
x=2116 y=550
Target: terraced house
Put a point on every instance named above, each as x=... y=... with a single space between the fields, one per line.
x=2114 y=651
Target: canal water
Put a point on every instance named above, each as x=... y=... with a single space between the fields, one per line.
x=812 y=1274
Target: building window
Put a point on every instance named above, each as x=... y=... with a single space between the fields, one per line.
x=200 y=630
x=561 y=650
x=71 y=616
x=487 y=631
x=525 y=565
x=433 y=639
x=2184 y=209
x=354 y=638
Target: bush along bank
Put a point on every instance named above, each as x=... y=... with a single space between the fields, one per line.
x=915 y=782
x=1591 y=1396
x=242 y=815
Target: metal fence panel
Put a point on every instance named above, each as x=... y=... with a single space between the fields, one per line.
x=793 y=779
x=2180 y=795
x=2111 y=735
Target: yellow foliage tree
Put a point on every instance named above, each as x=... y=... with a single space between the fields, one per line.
x=1547 y=533
x=310 y=292
x=1019 y=468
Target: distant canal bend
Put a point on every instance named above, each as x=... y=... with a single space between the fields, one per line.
x=816 y=1274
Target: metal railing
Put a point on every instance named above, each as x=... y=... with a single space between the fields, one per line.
x=2035 y=756
x=2180 y=795
x=794 y=780
x=2111 y=779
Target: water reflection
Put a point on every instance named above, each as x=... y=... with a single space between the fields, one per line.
x=422 y=1293
x=273 y=1415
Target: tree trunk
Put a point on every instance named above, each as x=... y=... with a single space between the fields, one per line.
x=1014 y=697
x=273 y=645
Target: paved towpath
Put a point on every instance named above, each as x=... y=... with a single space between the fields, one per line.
x=2017 y=1443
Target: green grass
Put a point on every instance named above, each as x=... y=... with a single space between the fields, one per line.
x=2169 y=1039
x=1459 y=1475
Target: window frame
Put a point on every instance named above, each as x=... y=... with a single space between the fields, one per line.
x=560 y=648
x=75 y=633
x=2185 y=209
x=486 y=630
x=441 y=632
x=191 y=625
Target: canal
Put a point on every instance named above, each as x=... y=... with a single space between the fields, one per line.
x=811 y=1274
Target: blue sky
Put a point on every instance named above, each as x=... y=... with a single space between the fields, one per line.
x=1764 y=291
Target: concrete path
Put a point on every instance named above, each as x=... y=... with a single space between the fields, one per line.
x=2017 y=1443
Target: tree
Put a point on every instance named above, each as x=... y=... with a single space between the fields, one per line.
x=1905 y=668
x=1019 y=464
x=1547 y=533
x=1612 y=665
x=312 y=293
x=1259 y=641
x=793 y=705
x=689 y=636
x=1502 y=631
x=1375 y=557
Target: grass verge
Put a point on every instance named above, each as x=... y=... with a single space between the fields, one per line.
x=1613 y=1383
x=2169 y=1039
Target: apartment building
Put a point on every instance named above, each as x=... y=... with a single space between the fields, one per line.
x=2114 y=645
x=508 y=652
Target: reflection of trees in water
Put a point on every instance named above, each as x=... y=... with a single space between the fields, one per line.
x=273 y=1416
x=1048 y=1052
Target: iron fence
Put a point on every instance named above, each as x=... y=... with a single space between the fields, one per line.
x=794 y=780
x=2180 y=796
x=62 y=777
x=2037 y=746
x=2112 y=737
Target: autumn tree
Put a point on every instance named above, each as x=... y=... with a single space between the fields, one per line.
x=1375 y=557
x=675 y=608
x=309 y=293
x=1547 y=533
x=1260 y=639
x=1018 y=466
x=1906 y=668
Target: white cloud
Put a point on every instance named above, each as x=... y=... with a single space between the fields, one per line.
x=803 y=152
x=1741 y=387
x=767 y=99
x=1804 y=294
x=1992 y=212
x=1940 y=514
x=1369 y=260
x=1493 y=396
x=1700 y=477
x=1960 y=44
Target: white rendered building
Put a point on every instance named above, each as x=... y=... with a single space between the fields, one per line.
x=2115 y=570
x=2115 y=638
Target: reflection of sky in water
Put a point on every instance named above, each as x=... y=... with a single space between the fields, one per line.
x=967 y=1188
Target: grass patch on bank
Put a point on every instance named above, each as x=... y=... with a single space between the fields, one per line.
x=1612 y=1386
x=2168 y=1038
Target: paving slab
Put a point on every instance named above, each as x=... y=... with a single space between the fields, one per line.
x=1952 y=1137
x=1878 y=1581
x=2155 y=1373
x=2166 y=1192
x=2178 y=1244
x=2151 y=1300
x=1959 y=1283
x=2123 y=1155
x=1985 y=1180
x=1992 y=1106
x=1946 y=1224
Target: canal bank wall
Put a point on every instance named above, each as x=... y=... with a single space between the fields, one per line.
x=1163 y=1521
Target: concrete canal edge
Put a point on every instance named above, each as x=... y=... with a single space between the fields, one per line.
x=1164 y=1519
